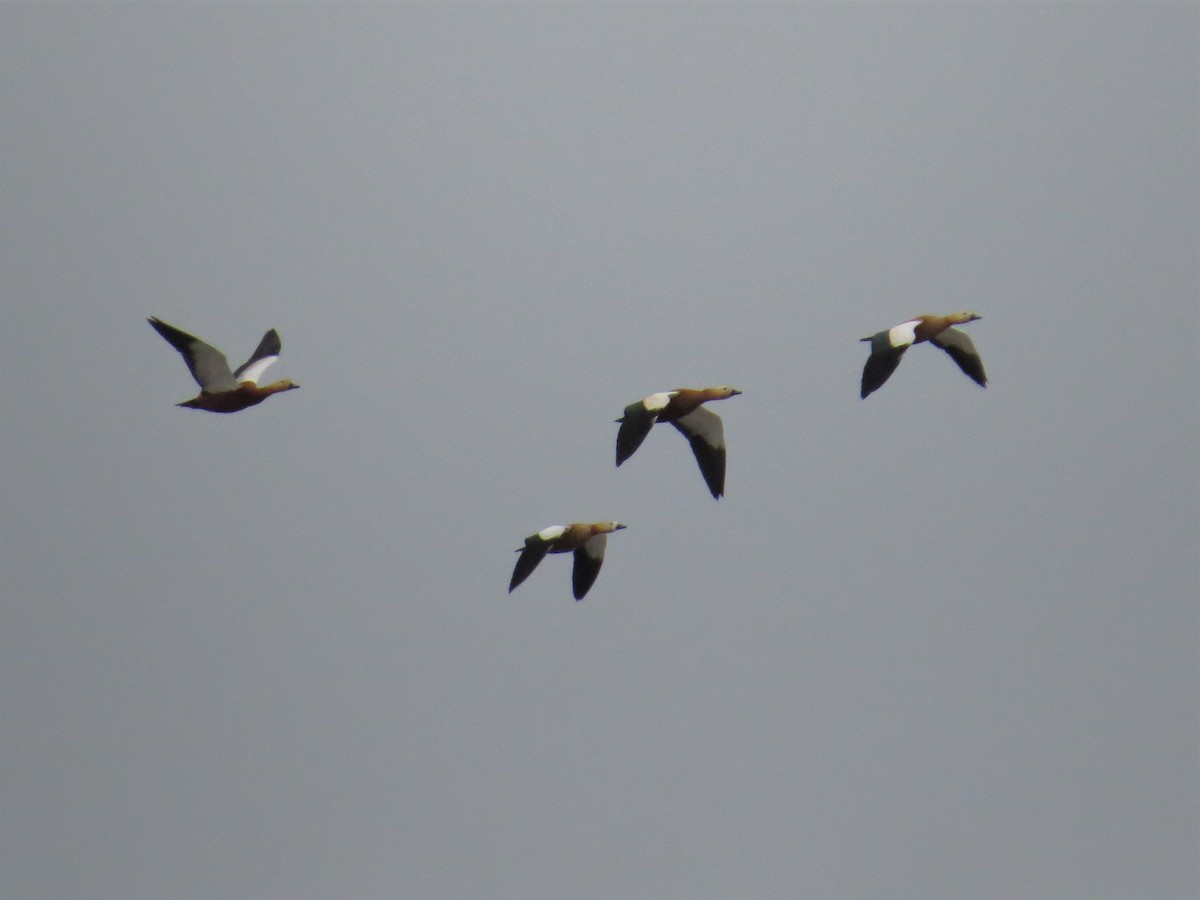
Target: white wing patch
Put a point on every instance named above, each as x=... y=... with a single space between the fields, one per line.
x=704 y=424
x=658 y=402
x=254 y=370
x=594 y=546
x=552 y=532
x=904 y=334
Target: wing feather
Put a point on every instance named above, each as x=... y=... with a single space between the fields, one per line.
x=706 y=434
x=532 y=553
x=267 y=353
x=206 y=363
x=957 y=343
x=881 y=363
x=588 y=560
x=635 y=425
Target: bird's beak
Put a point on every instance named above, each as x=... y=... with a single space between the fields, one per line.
x=619 y=526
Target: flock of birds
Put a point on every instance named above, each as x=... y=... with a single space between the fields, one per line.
x=224 y=391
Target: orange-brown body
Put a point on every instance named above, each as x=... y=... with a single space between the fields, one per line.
x=578 y=534
x=246 y=395
x=932 y=326
x=686 y=400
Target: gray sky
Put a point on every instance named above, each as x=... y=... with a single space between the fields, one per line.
x=941 y=643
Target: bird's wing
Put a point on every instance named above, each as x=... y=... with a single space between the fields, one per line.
x=588 y=559
x=958 y=344
x=635 y=425
x=267 y=352
x=532 y=553
x=206 y=363
x=704 y=431
x=887 y=348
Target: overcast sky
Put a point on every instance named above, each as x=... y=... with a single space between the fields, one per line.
x=941 y=643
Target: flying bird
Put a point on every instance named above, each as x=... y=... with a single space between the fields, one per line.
x=221 y=390
x=586 y=539
x=683 y=408
x=887 y=347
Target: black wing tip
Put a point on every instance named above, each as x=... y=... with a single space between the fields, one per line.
x=176 y=337
x=714 y=481
x=584 y=573
x=624 y=450
x=710 y=461
x=717 y=490
x=978 y=377
x=879 y=367
x=633 y=431
x=270 y=345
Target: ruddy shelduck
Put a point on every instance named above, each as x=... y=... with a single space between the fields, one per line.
x=586 y=539
x=683 y=408
x=887 y=347
x=221 y=390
